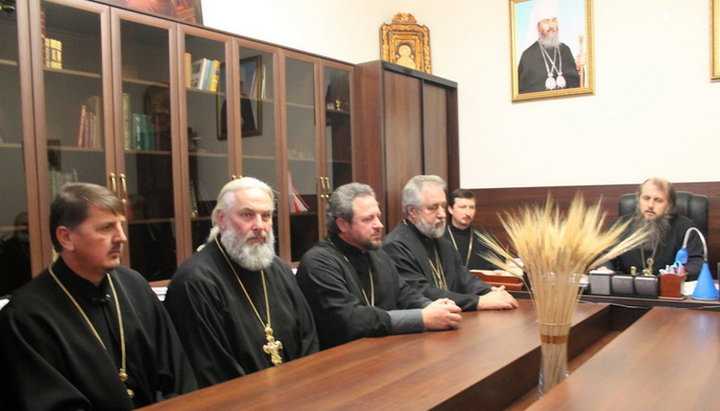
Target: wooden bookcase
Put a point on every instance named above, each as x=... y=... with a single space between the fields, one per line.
x=116 y=99
x=409 y=121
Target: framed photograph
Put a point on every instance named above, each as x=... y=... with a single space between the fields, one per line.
x=715 y=42
x=251 y=94
x=406 y=43
x=186 y=10
x=551 y=48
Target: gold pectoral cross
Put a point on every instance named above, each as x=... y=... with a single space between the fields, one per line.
x=273 y=347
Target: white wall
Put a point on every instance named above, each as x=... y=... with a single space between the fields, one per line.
x=654 y=111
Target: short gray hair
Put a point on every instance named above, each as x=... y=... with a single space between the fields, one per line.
x=411 y=194
x=340 y=204
x=225 y=199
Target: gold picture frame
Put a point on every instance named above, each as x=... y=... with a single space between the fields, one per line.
x=715 y=39
x=543 y=72
x=406 y=43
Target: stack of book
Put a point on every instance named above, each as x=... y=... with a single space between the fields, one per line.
x=90 y=123
x=297 y=204
x=204 y=74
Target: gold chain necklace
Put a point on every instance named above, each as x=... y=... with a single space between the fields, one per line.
x=438 y=271
x=122 y=372
x=370 y=302
x=272 y=347
x=470 y=245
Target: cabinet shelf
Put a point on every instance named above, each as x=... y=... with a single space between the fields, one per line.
x=4 y=62
x=300 y=105
x=256 y=157
x=335 y=112
x=11 y=145
x=208 y=154
x=204 y=92
x=98 y=150
x=142 y=82
x=149 y=152
x=71 y=72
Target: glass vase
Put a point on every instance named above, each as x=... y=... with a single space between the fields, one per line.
x=553 y=356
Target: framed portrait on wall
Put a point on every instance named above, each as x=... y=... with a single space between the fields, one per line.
x=715 y=39
x=551 y=48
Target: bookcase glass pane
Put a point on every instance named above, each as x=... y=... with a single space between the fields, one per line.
x=15 y=267
x=205 y=85
x=257 y=110
x=338 y=137
x=147 y=180
x=74 y=114
x=302 y=156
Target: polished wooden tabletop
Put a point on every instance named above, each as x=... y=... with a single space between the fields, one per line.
x=669 y=359
x=444 y=369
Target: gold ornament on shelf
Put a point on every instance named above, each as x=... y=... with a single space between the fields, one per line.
x=406 y=43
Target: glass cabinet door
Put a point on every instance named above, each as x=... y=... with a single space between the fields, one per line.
x=15 y=261
x=205 y=77
x=338 y=130
x=258 y=140
x=145 y=172
x=73 y=95
x=303 y=182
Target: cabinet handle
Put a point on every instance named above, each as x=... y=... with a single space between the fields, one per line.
x=123 y=184
x=327 y=187
x=113 y=183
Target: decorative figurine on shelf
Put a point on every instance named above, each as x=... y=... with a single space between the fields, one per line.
x=8 y=6
x=406 y=43
x=338 y=104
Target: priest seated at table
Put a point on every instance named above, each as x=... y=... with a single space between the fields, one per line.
x=427 y=261
x=88 y=333
x=352 y=286
x=235 y=304
x=656 y=201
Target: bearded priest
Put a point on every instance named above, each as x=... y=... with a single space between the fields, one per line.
x=235 y=304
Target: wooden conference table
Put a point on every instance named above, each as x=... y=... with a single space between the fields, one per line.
x=488 y=363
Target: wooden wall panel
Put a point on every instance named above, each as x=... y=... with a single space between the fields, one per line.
x=403 y=138
x=492 y=202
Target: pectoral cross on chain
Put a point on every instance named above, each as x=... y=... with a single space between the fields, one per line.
x=273 y=347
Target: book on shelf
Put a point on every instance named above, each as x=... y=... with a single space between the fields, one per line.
x=205 y=74
x=297 y=204
x=127 y=124
x=143 y=135
x=52 y=53
x=90 y=123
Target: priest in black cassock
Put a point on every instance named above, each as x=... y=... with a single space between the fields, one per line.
x=88 y=333
x=427 y=261
x=352 y=286
x=235 y=304
x=462 y=235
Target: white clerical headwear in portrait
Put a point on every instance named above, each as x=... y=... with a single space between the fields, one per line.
x=544 y=9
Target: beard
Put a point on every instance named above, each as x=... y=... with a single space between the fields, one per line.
x=253 y=257
x=429 y=230
x=658 y=228
x=548 y=41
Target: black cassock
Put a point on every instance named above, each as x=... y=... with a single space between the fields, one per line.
x=220 y=331
x=411 y=251
x=50 y=358
x=461 y=238
x=664 y=253
x=333 y=275
x=532 y=72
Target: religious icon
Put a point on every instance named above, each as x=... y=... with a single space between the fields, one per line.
x=406 y=43
x=552 y=53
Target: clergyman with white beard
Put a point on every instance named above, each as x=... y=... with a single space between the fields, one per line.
x=235 y=304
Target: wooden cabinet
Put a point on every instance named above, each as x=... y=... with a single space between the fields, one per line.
x=408 y=119
x=164 y=114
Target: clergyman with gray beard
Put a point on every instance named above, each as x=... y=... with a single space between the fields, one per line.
x=427 y=261
x=656 y=199
x=548 y=63
x=235 y=304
